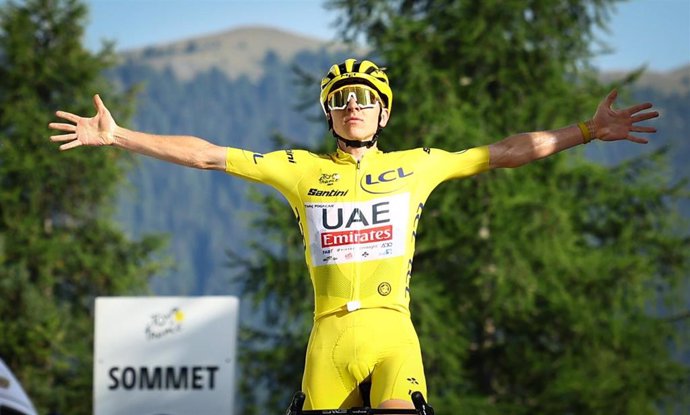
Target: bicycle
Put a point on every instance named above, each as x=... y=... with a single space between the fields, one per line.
x=420 y=408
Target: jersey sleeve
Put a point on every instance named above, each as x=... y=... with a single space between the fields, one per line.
x=278 y=168
x=446 y=165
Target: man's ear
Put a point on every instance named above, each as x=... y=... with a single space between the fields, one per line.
x=383 y=118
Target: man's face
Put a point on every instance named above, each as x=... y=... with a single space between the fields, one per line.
x=356 y=123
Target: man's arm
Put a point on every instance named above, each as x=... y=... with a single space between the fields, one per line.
x=607 y=125
x=101 y=130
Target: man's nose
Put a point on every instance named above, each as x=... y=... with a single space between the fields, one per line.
x=352 y=104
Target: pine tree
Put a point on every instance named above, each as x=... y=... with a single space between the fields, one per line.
x=58 y=246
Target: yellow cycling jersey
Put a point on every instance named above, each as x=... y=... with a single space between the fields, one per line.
x=358 y=218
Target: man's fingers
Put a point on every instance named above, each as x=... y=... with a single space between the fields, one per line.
x=98 y=102
x=63 y=137
x=62 y=126
x=67 y=116
x=639 y=107
x=645 y=116
x=642 y=129
x=610 y=98
x=71 y=144
x=638 y=140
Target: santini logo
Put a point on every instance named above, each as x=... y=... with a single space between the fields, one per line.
x=326 y=193
x=164 y=324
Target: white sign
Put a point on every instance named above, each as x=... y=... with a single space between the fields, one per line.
x=165 y=355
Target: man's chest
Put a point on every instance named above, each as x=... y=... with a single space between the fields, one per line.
x=357 y=213
x=357 y=182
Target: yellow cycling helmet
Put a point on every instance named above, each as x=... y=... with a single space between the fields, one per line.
x=353 y=72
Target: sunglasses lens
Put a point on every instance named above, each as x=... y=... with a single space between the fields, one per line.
x=365 y=97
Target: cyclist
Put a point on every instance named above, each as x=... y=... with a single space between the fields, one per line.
x=358 y=209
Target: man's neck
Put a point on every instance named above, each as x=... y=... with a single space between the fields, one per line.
x=356 y=152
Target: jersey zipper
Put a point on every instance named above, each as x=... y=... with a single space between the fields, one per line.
x=354 y=303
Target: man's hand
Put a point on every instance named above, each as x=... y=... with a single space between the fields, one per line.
x=612 y=125
x=98 y=130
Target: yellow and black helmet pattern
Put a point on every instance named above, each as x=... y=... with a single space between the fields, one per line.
x=351 y=72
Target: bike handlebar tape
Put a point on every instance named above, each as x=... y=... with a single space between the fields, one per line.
x=420 y=404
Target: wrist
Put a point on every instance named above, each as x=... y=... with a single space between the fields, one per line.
x=117 y=136
x=593 y=129
x=588 y=129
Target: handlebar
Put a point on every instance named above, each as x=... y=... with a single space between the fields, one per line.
x=420 y=405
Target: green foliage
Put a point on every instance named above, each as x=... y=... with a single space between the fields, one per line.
x=537 y=290
x=58 y=248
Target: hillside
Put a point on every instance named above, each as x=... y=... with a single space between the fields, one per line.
x=235 y=52
x=673 y=82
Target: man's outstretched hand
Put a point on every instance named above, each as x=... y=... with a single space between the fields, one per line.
x=98 y=130
x=612 y=124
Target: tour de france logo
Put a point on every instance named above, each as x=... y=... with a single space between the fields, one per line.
x=164 y=324
x=329 y=179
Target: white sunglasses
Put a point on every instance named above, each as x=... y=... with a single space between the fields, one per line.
x=365 y=97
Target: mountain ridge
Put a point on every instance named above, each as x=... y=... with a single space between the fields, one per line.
x=672 y=81
x=240 y=51
x=235 y=52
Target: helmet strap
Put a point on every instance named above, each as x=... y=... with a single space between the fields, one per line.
x=355 y=143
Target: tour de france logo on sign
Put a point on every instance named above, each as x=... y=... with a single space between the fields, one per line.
x=164 y=324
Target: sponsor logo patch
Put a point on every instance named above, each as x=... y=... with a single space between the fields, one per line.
x=351 y=237
x=329 y=179
x=340 y=232
x=290 y=156
x=326 y=193
x=385 y=182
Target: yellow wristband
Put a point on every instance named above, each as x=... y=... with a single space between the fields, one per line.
x=592 y=127
x=586 y=134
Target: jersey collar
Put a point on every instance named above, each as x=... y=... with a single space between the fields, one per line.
x=344 y=157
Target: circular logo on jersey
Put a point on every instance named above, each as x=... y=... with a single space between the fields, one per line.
x=384 y=289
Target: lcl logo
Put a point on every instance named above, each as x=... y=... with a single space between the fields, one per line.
x=385 y=182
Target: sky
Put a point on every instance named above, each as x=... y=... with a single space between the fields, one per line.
x=655 y=33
